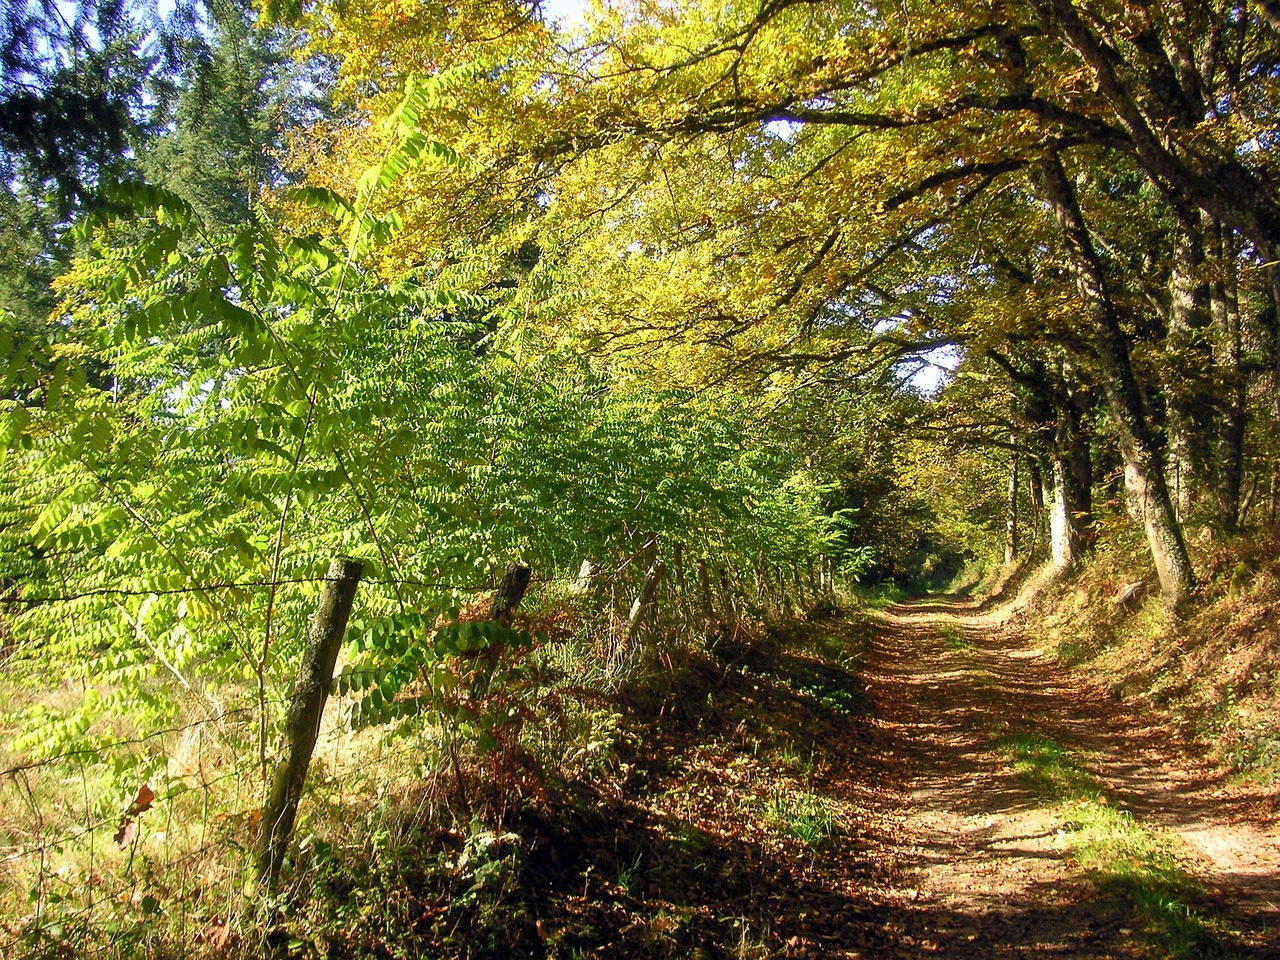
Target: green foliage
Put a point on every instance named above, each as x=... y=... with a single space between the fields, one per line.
x=803 y=816
x=230 y=408
x=232 y=111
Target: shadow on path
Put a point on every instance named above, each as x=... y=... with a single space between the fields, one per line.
x=949 y=681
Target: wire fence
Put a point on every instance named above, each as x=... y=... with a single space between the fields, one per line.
x=122 y=826
x=185 y=857
x=32 y=600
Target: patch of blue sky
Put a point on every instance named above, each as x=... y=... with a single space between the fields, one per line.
x=567 y=13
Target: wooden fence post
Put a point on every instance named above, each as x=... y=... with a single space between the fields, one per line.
x=726 y=600
x=763 y=598
x=641 y=606
x=704 y=581
x=302 y=721
x=508 y=596
x=510 y=592
x=586 y=576
x=681 y=584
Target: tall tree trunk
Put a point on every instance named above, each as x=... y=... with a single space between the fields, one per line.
x=1011 y=505
x=1273 y=274
x=1065 y=542
x=1187 y=314
x=1062 y=543
x=1035 y=484
x=1071 y=453
x=1224 y=305
x=1143 y=470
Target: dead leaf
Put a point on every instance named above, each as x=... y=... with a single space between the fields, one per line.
x=128 y=828
x=124 y=835
x=142 y=801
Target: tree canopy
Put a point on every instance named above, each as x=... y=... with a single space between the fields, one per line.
x=696 y=300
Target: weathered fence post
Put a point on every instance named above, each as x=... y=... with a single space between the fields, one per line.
x=726 y=601
x=681 y=584
x=302 y=721
x=642 y=602
x=704 y=581
x=763 y=598
x=586 y=574
x=510 y=592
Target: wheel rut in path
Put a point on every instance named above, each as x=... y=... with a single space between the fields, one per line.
x=985 y=862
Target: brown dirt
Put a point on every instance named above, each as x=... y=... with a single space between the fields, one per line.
x=989 y=857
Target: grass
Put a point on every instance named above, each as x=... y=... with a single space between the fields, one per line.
x=801 y=815
x=882 y=595
x=954 y=637
x=801 y=762
x=1050 y=768
x=1132 y=862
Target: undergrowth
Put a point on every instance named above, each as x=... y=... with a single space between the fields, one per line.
x=1215 y=674
x=628 y=812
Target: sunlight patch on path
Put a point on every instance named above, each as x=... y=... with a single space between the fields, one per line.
x=992 y=853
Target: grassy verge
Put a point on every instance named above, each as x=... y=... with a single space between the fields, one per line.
x=1215 y=675
x=954 y=637
x=1136 y=864
x=882 y=595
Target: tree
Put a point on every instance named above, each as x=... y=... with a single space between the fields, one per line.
x=234 y=111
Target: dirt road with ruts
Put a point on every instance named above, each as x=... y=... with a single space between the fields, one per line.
x=1042 y=818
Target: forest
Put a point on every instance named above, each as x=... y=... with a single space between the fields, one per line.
x=640 y=478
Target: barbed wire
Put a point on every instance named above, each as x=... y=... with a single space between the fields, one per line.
x=354 y=764
x=286 y=581
x=114 y=820
x=145 y=738
x=115 y=891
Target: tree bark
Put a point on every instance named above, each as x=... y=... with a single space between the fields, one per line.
x=1064 y=545
x=1273 y=274
x=1187 y=314
x=1073 y=468
x=1035 y=484
x=1229 y=191
x=1144 y=473
x=306 y=708
x=1011 y=505
x=1225 y=308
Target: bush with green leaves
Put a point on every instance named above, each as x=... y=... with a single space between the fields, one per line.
x=228 y=410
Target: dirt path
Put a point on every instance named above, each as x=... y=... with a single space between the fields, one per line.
x=917 y=783
x=989 y=862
